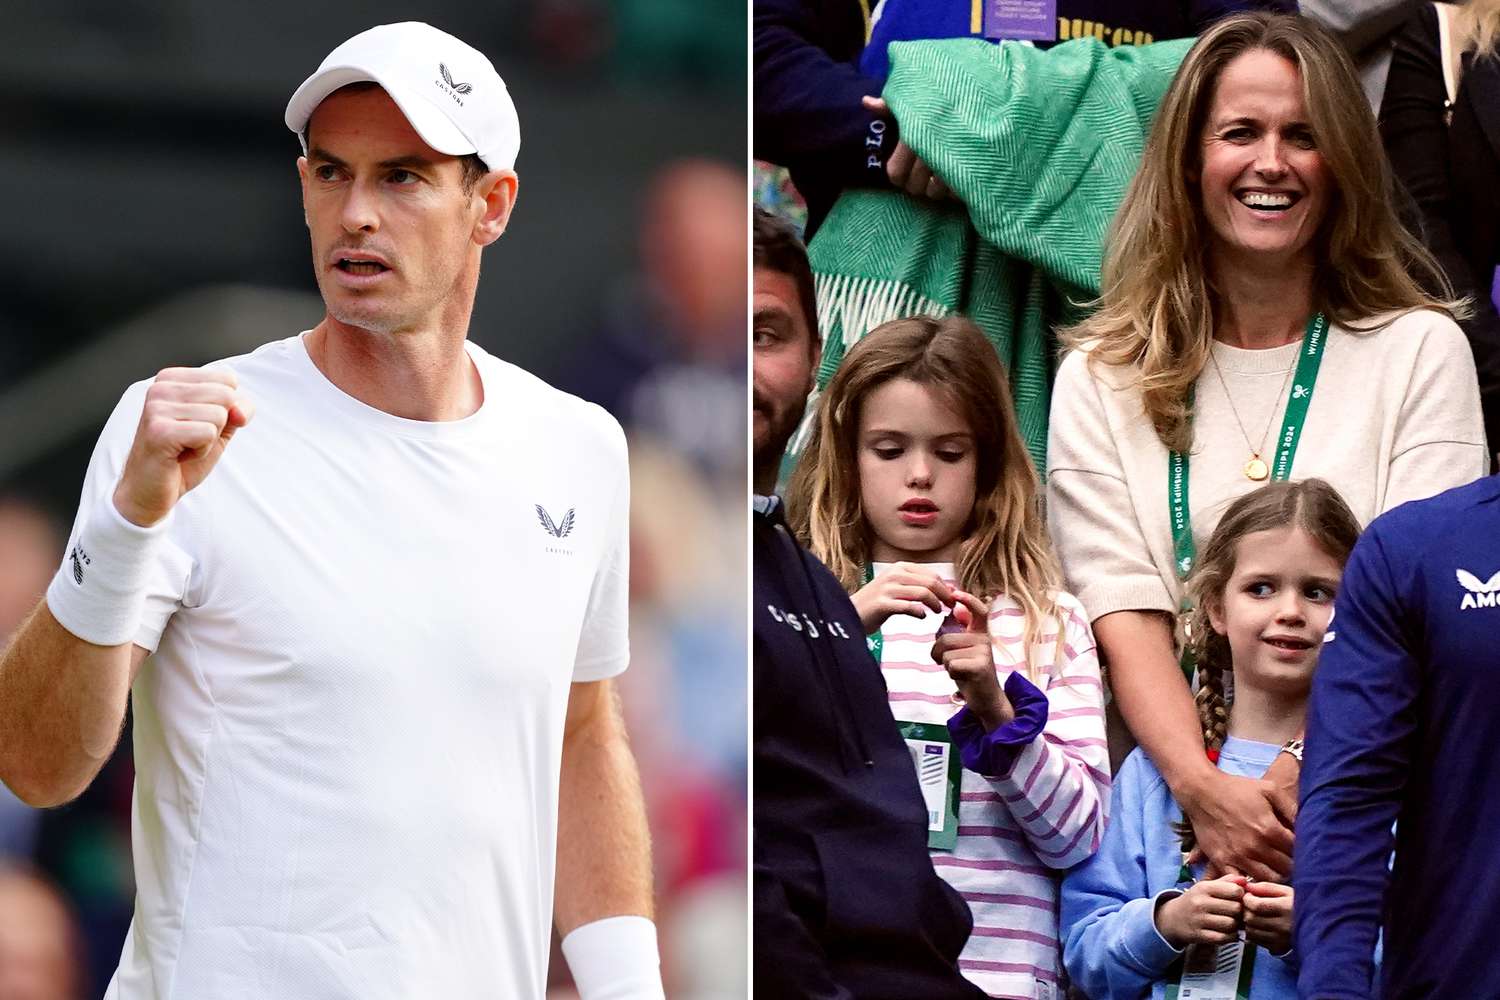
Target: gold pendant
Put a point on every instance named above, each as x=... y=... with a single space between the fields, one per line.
x=1256 y=469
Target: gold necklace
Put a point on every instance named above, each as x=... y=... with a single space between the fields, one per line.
x=1256 y=469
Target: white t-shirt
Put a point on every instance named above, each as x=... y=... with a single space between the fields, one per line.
x=347 y=745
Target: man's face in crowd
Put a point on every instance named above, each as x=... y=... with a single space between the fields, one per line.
x=395 y=237
x=786 y=356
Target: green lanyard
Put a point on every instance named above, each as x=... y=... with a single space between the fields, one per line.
x=874 y=640
x=1184 y=551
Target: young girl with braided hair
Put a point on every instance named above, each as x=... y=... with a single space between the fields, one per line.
x=1263 y=598
x=916 y=490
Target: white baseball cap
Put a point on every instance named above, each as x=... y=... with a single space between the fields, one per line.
x=447 y=89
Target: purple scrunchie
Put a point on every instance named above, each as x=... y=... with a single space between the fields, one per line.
x=994 y=754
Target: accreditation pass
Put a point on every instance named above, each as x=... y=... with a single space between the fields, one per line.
x=938 y=770
x=1215 y=972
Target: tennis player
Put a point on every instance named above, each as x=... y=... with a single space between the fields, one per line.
x=384 y=614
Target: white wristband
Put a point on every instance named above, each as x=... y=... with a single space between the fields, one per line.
x=615 y=959
x=100 y=591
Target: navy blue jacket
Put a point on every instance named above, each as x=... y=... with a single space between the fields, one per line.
x=1403 y=725
x=847 y=904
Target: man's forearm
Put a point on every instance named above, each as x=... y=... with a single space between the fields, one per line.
x=603 y=845
x=62 y=704
x=1154 y=700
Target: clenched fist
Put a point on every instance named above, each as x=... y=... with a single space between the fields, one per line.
x=1268 y=916
x=189 y=417
x=1209 y=912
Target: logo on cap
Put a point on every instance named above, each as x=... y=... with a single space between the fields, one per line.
x=449 y=87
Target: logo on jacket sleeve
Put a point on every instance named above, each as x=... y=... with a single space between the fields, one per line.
x=1481 y=594
x=552 y=528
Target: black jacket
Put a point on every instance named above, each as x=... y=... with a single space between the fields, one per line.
x=1453 y=174
x=847 y=904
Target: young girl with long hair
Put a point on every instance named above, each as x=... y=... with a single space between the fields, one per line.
x=917 y=492
x=1263 y=601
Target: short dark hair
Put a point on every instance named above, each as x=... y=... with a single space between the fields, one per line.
x=473 y=167
x=779 y=248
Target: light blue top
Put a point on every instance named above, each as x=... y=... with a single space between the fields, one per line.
x=1112 y=948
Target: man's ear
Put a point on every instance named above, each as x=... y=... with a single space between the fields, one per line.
x=498 y=191
x=302 y=172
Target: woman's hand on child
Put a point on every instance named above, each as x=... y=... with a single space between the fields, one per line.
x=1208 y=912
x=1236 y=828
x=1268 y=916
x=970 y=661
x=901 y=589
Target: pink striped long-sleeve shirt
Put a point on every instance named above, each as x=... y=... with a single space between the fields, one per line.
x=1046 y=813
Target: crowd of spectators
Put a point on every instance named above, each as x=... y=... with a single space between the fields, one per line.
x=1238 y=262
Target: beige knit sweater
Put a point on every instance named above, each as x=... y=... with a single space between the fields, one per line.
x=1394 y=417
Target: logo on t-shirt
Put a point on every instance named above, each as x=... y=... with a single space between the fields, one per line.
x=79 y=559
x=1481 y=594
x=553 y=528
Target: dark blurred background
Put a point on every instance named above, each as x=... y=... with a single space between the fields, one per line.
x=153 y=219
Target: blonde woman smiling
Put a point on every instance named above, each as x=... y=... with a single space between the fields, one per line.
x=1261 y=319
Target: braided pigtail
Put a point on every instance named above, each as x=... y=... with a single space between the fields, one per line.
x=1314 y=507
x=1211 y=652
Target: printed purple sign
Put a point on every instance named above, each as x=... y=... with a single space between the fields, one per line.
x=1031 y=20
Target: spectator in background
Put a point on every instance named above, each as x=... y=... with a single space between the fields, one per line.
x=84 y=847
x=1258 y=235
x=672 y=347
x=812 y=72
x=1441 y=126
x=39 y=952
x=1365 y=27
x=1113 y=22
x=808 y=89
x=30 y=549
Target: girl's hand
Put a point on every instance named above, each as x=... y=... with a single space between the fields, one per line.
x=902 y=589
x=1208 y=912
x=970 y=661
x=1268 y=916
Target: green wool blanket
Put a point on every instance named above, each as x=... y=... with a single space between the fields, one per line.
x=1038 y=146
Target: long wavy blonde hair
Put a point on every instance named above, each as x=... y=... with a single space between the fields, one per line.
x=1476 y=27
x=1005 y=549
x=1156 y=309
